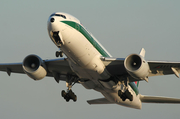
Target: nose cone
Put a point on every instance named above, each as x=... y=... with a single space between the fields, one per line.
x=52 y=20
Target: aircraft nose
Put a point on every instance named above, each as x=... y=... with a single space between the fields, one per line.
x=52 y=19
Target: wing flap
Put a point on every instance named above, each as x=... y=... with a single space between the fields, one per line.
x=99 y=101
x=163 y=68
x=156 y=99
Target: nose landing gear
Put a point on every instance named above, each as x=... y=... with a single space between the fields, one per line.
x=59 y=53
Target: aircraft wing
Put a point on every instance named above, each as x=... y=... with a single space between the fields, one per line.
x=155 y=99
x=164 y=68
x=11 y=67
x=60 y=66
x=115 y=66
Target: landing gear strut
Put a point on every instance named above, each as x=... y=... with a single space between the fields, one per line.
x=70 y=94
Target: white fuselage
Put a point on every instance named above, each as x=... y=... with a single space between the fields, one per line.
x=84 y=52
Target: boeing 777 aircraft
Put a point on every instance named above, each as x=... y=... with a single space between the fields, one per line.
x=88 y=63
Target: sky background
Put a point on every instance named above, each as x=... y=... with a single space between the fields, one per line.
x=121 y=26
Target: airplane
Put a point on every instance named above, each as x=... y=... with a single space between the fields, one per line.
x=88 y=63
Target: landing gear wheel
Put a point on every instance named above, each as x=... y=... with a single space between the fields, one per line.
x=63 y=93
x=125 y=95
x=129 y=95
x=123 y=98
x=72 y=95
x=122 y=95
x=57 y=53
x=131 y=99
x=69 y=95
x=61 y=54
x=74 y=98
x=67 y=99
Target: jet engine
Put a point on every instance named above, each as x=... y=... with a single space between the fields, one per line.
x=137 y=66
x=34 y=67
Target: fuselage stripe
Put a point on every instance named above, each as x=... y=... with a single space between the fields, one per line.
x=88 y=36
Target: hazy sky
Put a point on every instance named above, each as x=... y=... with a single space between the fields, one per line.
x=121 y=26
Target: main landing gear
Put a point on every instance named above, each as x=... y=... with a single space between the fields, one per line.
x=59 y=53
x=70 y=94
x=125 y=95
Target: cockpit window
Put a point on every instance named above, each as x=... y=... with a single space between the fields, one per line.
x=60 y=15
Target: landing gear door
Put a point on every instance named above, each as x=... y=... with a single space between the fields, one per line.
x=56 y=38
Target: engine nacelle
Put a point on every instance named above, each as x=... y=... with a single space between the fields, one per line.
x=34 y=67
x=137 y=66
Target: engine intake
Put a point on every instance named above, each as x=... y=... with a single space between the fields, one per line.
x=137 y=66
x=34 y=67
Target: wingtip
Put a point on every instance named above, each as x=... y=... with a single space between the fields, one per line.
x=142 y=52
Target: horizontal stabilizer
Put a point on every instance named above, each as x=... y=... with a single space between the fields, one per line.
x=155 y=99
x=99 y=101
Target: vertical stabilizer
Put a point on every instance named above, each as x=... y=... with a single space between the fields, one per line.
x=137 y=83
